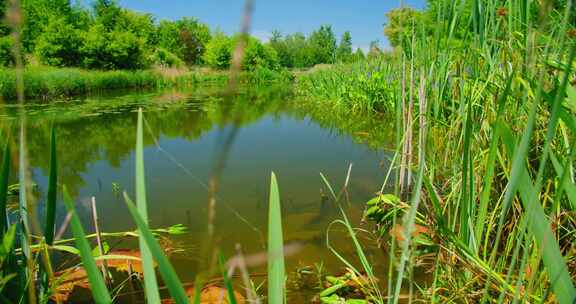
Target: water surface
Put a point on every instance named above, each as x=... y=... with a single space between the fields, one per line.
x=195 y=134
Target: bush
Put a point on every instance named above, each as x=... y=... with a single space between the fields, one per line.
x=259 y=55
x=115 y=49
x=165 y=58
x=186 y=38
x=6 y=57
x=59 y=45
x=218 y=52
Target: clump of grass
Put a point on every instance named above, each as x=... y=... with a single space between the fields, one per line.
x=489 y=173
x=46 y=82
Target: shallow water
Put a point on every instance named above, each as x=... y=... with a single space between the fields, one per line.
x=195 y=134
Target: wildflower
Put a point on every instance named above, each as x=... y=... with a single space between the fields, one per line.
x=501 y=12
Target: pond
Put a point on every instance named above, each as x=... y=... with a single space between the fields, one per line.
x=195 y=134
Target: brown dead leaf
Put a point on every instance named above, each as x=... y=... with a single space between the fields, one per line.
x=124 y=265
x=67 y=280
x=398 y=231
x=210 y=295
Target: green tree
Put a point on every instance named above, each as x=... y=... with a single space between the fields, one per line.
x=117 y=38
x=187 y=38
x=323 y=44
x=358 y=55
x=218 y=51
x=401 y=25
x=279 y=44
x=116 y=49
x=258 y=55
x=37 y=16
x=59 y=44
x=344 y=51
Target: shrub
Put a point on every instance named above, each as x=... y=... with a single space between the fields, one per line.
x=259 y=55
x=165 y=58
x=218 y=52
x=114 y=49
x=59 y=45
x=6 y=57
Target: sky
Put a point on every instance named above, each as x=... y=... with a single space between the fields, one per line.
x=363 y=18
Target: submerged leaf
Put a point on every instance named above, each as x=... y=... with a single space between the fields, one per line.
x=210 y=295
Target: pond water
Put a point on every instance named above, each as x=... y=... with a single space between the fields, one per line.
x=194 y=134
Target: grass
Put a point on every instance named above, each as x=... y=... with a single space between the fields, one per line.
x=48 y=83
x=501 y=207
x=276 y=271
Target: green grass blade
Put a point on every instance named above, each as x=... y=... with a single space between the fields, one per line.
x=97 y=285
x=227 y=281
x=562 y=172
x=540 y=228
x=52 y=191
x=168 y=274
x=4 y=175
x=325 y=180
x=150 y=282
x=276 y=271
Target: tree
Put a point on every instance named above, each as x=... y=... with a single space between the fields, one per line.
x=285 y=57
x=59 y=44
x=344 y=51
x=375 y=50
x=401 y=25
x=218 y=51
x=37 y=16
x=114 y=49
x=358 y=55
x=323 y=44
x=258 y=55
x=187 y=38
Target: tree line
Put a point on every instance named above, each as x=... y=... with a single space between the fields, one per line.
x=107 y=36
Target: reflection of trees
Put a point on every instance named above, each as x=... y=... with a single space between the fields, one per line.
x=96 y=131
x=374 y=130
x=104 y=130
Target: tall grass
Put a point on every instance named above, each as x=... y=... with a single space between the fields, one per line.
x=46 y=83
x=493 y=181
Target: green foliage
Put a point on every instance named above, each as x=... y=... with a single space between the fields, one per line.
x=218 y=51
x=165 y=58
x=344 y=50
x=402 y=24
x=361 y=86
x=6 y=54
x=323 y=44
x=150 y=283
x=59 y=44
x=258 y=55
x=114 y=46
x=187 y=38
x=51 y=82
x=298 y=51
x=276 y=268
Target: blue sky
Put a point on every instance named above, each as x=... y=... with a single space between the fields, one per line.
x=363 y=18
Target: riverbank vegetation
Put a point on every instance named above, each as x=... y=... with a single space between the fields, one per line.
x=70 y=49
x=483 y=99
x=106 y=36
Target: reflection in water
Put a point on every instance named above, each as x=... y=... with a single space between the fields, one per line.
x=269 y=131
